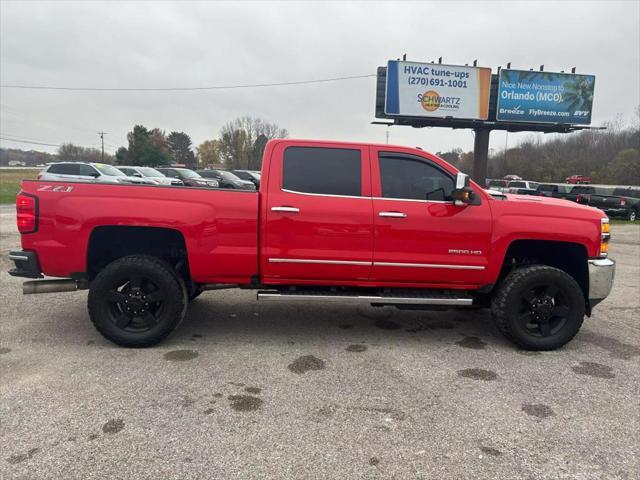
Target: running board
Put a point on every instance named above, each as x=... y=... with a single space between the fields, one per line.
x=425 y=299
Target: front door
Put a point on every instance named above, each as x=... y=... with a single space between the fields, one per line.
x=318 y=215
x=420 y=236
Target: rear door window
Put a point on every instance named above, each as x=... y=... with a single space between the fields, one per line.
x=65 y=169
x=326 y=171
x=581 y=189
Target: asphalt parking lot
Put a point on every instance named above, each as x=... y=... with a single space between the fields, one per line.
x=251 y=390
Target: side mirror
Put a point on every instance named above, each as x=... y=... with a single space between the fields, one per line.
x=462 y=195
x=136 y=174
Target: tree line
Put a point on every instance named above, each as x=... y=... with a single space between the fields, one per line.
x=610 y=156
x=240 y=145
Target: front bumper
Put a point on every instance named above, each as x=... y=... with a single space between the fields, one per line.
x=601 y=274
x=27 y=264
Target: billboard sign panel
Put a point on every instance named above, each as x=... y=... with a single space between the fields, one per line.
x=435 y=90
x=544 y=97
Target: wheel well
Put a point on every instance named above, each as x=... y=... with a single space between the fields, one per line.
x=109 y=243
x=569 y=257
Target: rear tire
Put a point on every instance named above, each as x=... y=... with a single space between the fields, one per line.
x=539 y=307
x=137 y=301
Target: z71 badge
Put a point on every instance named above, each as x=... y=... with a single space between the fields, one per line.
x=55 y=188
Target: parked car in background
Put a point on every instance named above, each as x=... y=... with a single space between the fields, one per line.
x=150 y=174
x=87 y=172
x=523 y=187
x=578 y=179
x=498 y=185
x=188 y=177
x=579 y=193
x=553 y=190
x=227 y=179
x=512 y=177
x=615 y=201
x=248 y=175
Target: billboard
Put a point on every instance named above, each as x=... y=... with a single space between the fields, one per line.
x=435 y=90
x=544 y=97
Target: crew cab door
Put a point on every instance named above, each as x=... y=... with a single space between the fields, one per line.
x=318 y=215
x=420 y=236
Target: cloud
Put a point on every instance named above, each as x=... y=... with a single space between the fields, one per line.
x=164 y=44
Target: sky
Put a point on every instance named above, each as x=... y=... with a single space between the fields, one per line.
x=157 y=44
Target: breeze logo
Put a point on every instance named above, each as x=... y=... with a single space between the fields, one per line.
x=432 y=101
x=513 y=110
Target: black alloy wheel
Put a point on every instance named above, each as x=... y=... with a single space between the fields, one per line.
x=544 y=310
x=136 y=305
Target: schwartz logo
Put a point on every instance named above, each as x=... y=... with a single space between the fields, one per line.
x=513 y=110
x=432 y=101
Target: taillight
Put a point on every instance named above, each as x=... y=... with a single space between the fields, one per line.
x=623 y=201
x=605 y=236
x=26 y=213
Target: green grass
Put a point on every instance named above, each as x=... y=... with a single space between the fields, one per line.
x=10 y=183
x=622 y=221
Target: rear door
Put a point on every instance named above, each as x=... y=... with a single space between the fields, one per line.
x=318 y=214
x=421 y=237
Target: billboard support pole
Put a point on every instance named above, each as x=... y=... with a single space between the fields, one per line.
x=480 y=154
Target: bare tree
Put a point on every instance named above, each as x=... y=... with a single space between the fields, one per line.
x=238 y=141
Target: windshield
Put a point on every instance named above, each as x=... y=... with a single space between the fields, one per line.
x=109 y=170
x=150 y=172
x=188 y=173
x=517 y=184
x=547 y=188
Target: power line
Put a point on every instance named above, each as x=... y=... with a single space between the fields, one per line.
x=33 y=141
x=171 y=89
x=29 y=142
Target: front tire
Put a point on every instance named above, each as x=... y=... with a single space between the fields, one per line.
x=539 y=307
x=137 y=301
x=632 y=216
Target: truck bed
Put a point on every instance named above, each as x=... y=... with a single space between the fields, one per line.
x=220 y=227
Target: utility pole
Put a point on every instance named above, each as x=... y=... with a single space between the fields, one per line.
x=102 y=134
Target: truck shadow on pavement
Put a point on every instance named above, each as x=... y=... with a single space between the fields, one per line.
x=213 y=318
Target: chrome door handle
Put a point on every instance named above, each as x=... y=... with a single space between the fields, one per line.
x=393 y=214
x=285 y=209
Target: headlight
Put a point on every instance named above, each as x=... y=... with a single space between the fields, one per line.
x=605 y=236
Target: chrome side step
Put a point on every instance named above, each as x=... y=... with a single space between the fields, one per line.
x=427 y=299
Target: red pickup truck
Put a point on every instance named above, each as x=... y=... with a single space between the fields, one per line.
x=332 y=221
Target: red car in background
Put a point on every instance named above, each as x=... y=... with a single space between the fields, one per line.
x=578 y=179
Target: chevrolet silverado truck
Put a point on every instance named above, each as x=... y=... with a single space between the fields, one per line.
x=332 y=222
